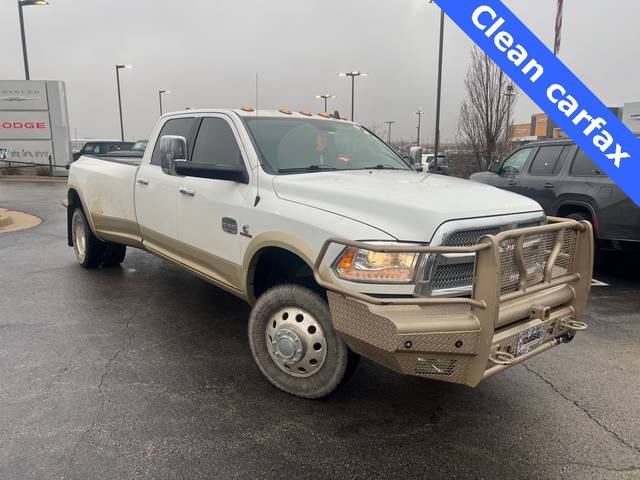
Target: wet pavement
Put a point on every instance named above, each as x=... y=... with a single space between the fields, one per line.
x=145 y=372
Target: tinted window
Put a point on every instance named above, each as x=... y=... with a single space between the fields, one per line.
x=91 y=148
x=514 y=164
x=547 y=161
x=177 y=126
x=216 y=144
x=583 y=166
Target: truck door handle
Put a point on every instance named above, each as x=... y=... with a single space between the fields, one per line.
x=548 y=185
x=187 y=191
x=143 y=181
x=511 y=182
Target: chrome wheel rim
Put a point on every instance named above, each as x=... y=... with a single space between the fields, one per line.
x=79 y=238
x=296 y=342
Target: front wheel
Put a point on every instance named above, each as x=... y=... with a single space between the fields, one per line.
x=294 y=344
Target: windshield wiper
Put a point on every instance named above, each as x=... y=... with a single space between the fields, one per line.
x=308 y=168
x=381 y=167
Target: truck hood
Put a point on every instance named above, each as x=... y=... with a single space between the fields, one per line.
x=407 y=205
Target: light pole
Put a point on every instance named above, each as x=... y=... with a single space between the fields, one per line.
x=389 y=122
x=160 y=92
x=353 y=76
x=21 y=4
x=325 y=98
x=510 y=93
x=419 y=113
x=118 y=67
x=436 y=143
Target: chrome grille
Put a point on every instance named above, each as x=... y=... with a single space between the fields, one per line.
x=466 y=238
x=453 y=276
x=456 y=278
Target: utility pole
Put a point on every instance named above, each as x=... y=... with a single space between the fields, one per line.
x=389 y=123
x=420 y=112
x=510 y=93
x=436 y=145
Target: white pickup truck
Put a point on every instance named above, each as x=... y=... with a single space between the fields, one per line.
x=339 y=245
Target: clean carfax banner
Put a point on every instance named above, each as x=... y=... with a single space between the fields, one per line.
x=552 y=86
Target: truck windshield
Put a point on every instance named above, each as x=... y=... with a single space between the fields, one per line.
x=296 y=145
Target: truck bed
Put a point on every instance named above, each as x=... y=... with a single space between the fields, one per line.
x=111 y=181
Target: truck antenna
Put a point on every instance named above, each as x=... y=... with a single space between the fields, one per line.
x=257 y=200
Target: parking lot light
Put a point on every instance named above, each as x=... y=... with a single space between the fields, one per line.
x=325 y=98
x=353 y=76
x=21 y=4
x=160 y=92
x=118 y=68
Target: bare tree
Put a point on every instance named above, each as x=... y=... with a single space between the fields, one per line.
x=486 y=109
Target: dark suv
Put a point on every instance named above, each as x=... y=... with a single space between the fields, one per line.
x=567 y=183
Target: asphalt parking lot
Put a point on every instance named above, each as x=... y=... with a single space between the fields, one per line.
x=145 y=372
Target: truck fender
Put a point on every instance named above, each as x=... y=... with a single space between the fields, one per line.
x=285 y=241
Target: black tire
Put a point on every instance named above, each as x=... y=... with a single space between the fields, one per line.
x=114 y=254
x=337 y=360
x=577 y=216
x=89 y=250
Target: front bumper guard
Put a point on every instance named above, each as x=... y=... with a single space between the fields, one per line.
x=465 y=340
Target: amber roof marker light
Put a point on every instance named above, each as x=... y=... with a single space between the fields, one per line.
x=353 y=76
x=247 y=107
x=21 y=4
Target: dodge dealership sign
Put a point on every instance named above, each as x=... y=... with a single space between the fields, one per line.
x=34 y=124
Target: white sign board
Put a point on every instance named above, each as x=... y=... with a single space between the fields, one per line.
x=34 y=124
x=22 y=95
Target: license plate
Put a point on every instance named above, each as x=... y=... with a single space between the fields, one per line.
x=530 y=339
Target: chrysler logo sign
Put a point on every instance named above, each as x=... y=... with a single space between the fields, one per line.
x=4 y=153
x=18 y=99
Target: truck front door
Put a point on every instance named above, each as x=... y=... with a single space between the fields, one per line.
x=540 y=182
x=156 y=193
x=210 y=211
x=511 y=170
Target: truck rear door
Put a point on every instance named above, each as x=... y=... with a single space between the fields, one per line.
x=156 y=192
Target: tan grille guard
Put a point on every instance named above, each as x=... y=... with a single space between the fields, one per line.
x=514 y=269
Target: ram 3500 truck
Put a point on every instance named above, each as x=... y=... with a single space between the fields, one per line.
x=341 y=248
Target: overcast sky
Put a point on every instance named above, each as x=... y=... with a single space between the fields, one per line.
x=207 y=53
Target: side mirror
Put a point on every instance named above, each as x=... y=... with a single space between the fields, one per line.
x=233 y=173
x=494 y=167
x=415 y=153
x=172 y=148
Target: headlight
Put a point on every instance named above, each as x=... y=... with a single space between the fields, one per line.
x=366 y=266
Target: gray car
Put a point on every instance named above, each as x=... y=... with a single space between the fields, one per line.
x=567 y=183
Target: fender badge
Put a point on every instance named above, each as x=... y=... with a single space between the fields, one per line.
x=245 y=231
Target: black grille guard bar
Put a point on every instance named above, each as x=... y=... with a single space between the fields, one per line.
x=555 y=225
